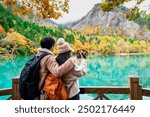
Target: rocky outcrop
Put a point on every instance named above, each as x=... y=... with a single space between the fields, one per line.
x=48 y=22
x=42 y=22
x=114 y=19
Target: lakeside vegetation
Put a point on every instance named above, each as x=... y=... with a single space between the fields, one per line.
x=19 y=37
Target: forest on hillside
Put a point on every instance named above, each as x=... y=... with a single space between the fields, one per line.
x=20 y=37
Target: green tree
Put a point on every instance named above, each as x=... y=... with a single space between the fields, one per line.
x=70 y=38
x=82 y=38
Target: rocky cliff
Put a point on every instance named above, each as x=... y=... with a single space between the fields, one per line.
x=115 y=19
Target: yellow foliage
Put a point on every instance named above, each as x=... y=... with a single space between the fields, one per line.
x=44 y=8
x=78 y=45
x=33 y=50
x=55 y=50
x=133 y=48
x=143 y=43
x=110 y=45
x=122 y=46
x=11 y=30
x=16 y=39
x=94 y=44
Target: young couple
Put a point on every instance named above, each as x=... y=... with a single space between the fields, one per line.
x=68 y=68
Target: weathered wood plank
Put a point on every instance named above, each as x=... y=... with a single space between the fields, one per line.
x=5 y=92
x=104 y=90
x=146 y=92
x=15 y=89
x=140 y=92
x=16 y=80
x=101 y=97
x=134 y=88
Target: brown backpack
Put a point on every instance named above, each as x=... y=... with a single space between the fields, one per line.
x=55 y=89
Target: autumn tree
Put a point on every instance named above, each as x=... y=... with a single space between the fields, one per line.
x=40 y=8
x=134 y=12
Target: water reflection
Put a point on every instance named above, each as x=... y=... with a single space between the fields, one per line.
x=114 y=70
x=102 y=71
x=10 y=68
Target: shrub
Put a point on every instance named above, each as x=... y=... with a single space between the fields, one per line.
x=70 y=38
x=23 y=50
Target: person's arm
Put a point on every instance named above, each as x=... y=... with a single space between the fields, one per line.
x=81 y=70
x=57 y=70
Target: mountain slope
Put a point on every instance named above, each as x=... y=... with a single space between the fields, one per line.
x=41 y=22
x=114 y=19
x=48 y=22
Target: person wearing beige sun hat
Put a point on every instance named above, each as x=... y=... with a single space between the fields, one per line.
x=63 y=46
x=70 y=79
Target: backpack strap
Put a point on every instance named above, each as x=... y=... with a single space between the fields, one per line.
x=42 y=55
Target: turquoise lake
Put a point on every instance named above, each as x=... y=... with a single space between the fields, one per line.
x=112 y=70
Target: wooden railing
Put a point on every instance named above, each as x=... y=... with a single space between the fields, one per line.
x=14 y=91
x=134 y=90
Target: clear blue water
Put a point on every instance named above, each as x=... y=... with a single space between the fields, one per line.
x=102 y=71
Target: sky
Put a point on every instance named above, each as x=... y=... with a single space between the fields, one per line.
x=79 y=8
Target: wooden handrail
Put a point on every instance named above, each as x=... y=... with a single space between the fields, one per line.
x=5 y=92
x=134 y=89
x=145 y=92
x=104 y=90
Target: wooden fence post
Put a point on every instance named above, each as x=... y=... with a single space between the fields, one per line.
x=135 y=88
x=15 y=89
x=140 y=92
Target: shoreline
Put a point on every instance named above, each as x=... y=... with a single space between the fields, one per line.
x=119 y=54
x=128 y=54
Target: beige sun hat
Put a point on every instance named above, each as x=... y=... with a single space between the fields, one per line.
x=63 y=46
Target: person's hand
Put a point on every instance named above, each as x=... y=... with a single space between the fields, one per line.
x=83 y=55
